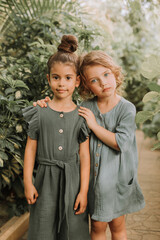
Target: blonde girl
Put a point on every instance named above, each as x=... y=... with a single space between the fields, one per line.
x=114 y=190
x=58 y=138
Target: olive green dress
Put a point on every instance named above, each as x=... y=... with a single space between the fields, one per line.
x=57 y=181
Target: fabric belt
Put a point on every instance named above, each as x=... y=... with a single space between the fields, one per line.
x=65 y=177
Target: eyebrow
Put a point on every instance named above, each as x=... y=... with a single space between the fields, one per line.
x=53 y=74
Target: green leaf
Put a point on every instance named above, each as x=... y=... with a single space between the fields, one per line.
x=3 y=155
x=158 y=136
x=1 y=162
x=156 y=146
x=142 y=116
x=154 y=87
x=19 y=160
x=10 y=146
x=21 y=84
x=10 y=90
x=151 y=67
x=149 y=96
x=6 y=178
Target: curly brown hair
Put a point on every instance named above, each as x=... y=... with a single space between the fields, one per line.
x=97 y=58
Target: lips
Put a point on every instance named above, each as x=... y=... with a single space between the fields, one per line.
x=106 y=89
x=61 y=90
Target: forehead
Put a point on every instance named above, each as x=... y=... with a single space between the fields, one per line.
x=95 y=70
x=59 y=67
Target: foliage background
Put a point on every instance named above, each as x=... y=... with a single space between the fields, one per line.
x=30 y=32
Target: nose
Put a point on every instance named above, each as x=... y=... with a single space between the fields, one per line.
x=61 y=82
x=103 y=81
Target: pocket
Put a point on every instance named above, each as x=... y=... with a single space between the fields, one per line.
x=123 y=195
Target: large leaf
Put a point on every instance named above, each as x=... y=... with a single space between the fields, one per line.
x=154 y=87
x=151 y=67
x=142 y=116
x=3 y=155
x=150 y=95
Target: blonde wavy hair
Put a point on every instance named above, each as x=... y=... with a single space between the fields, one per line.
x=97 y=58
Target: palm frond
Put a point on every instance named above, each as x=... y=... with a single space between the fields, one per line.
x=12 y=11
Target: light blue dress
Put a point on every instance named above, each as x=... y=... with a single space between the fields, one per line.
x=114 y=189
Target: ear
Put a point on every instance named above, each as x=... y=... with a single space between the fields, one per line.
x=78 y=81
x=48 y=78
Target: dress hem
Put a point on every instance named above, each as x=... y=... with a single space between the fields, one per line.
x=118 y=214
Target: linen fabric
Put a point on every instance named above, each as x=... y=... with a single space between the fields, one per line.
x=57 y=181
x=114 y=189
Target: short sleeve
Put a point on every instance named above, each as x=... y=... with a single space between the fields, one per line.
x=84 y=132
x=125 y=130
x=30 y=115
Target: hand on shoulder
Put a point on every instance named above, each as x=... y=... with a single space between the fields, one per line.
x=42 y=102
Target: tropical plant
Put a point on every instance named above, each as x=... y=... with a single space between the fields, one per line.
x=150 y=116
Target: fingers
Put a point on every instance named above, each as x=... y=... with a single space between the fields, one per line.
x=83 y=109
x=76 y=204
x=47 y=99
x=80 y=210
x=32 y=199
x=34 y=104
x=42 y=103
x=79 y=207
x=86 y=111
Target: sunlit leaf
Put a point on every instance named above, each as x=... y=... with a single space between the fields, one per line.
x=142 y=116
x=1 y=162
x=151 y=67
x=158 y=136
x=149 y=96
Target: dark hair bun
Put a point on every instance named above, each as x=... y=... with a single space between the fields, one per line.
x=69 y=43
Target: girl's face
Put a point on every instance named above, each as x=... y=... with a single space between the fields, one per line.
x=100 y=80
x=63 y=80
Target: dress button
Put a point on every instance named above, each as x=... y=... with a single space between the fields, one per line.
x=96 y=164
x=97 y=154
x=60 y=148
x=60 y=130
x=61 y=115
x=99 y=144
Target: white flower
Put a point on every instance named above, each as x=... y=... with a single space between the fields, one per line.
x=158 y=81
x=19 y=128
x=18 y=95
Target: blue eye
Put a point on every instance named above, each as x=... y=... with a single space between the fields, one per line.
x=93 y=80
x=106 y=74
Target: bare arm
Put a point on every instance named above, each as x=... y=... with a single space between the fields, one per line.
x=29 y=160
x=81 y=200
x=103 y=134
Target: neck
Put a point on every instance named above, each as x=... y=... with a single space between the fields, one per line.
x=106 y=104
x=64 y=105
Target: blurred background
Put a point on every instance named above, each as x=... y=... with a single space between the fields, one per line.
x=128 y=30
